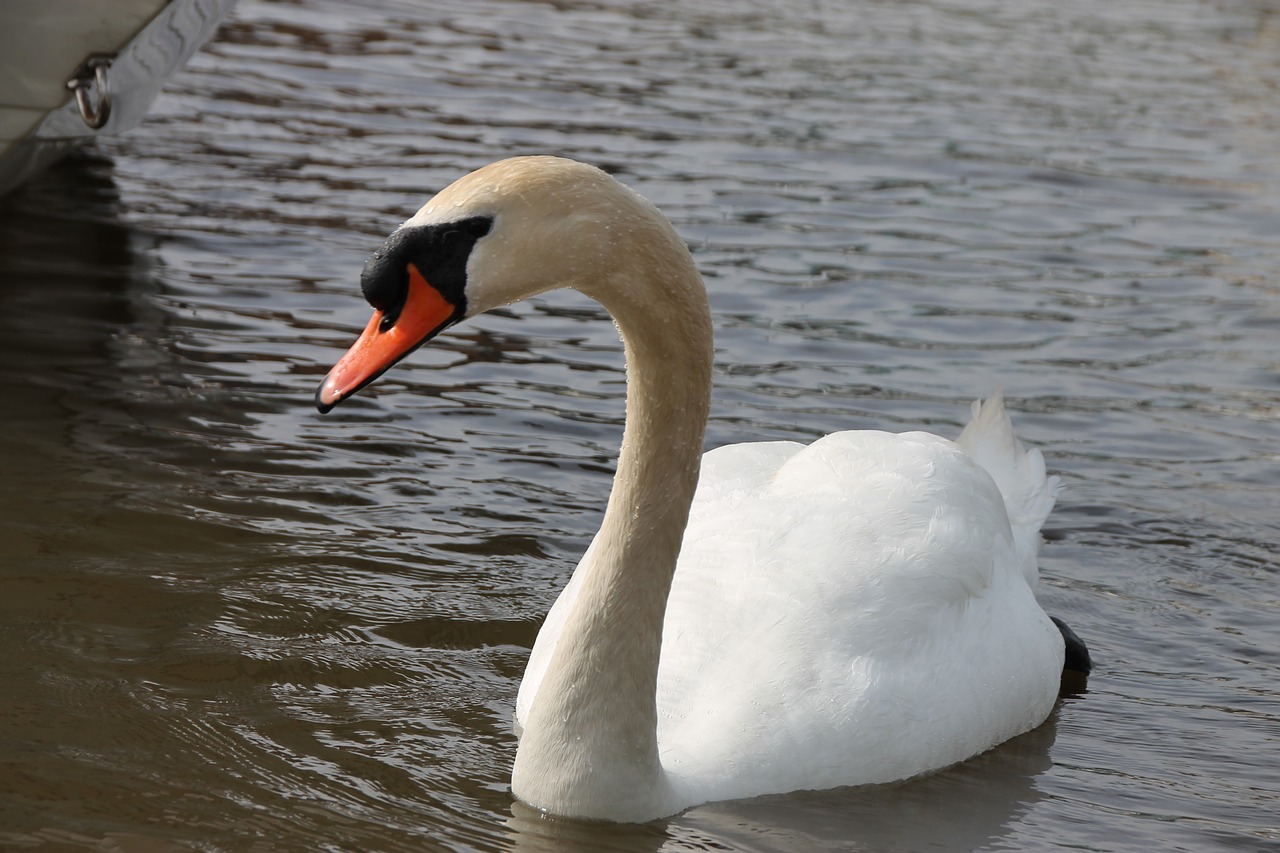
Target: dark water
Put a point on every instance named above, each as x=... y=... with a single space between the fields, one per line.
x=231 y=624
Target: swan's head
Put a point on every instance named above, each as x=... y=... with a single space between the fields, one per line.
x=511 y=230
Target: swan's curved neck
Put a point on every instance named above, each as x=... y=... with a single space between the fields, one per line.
x=589 y=746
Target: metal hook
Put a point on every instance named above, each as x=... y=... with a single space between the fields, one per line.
x=93 y=70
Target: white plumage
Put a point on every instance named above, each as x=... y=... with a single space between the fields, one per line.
x=852 y=611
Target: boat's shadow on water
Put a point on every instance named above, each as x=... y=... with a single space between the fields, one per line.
x=966 y=807
x=64 y=248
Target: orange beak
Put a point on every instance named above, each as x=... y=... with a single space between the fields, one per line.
x=425 y=314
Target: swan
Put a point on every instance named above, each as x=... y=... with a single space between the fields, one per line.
x=767 y=617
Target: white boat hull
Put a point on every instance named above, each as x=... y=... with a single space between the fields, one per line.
x=44 y=42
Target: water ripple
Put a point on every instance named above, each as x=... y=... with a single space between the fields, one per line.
x=238 y=623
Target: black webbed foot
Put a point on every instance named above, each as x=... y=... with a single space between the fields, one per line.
x=1077 y=659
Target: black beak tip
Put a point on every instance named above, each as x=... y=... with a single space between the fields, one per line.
x=321 y=405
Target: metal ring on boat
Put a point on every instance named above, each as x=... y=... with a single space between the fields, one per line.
x=93 y=71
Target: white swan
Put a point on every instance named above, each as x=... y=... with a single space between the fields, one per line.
x=858 y=610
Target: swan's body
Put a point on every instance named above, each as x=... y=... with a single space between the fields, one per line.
x=858 y=610
x=846 y=612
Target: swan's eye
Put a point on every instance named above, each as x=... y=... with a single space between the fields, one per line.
x=391 y=310
x=439 y=252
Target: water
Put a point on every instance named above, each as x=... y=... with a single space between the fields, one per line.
x=232 y=624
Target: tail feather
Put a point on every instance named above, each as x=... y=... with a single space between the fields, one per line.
x=1018 y=471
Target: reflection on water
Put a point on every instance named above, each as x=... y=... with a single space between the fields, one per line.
x=229 y=622
x=967 y=807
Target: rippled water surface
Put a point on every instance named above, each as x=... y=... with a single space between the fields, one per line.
x=229 y=623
